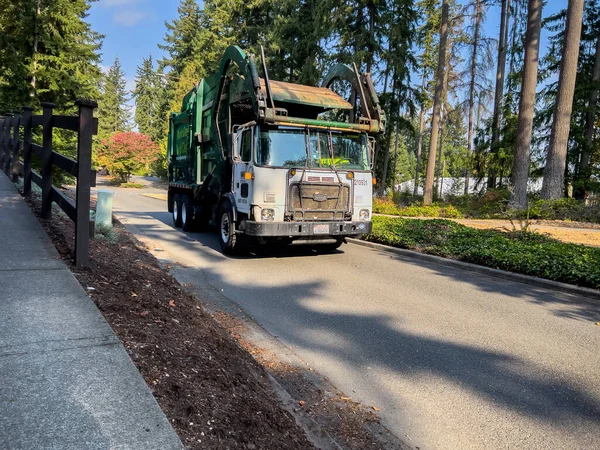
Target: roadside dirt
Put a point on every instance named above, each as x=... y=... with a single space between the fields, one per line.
x=213 y=392
x=353 y=425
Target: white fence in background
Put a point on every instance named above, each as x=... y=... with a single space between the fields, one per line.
x=456 y=186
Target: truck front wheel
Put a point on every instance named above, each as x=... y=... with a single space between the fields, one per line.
x=226 y=230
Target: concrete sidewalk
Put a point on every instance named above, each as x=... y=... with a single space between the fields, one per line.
x=66 y=381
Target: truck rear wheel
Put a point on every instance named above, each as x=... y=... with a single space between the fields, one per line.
x=187 y=213
x=177 y=211
x=226 y=230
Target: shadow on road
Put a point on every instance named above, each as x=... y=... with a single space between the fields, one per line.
x=563 y=304
x=374 y=340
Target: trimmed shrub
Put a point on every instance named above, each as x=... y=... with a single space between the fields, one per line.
x=519 y=251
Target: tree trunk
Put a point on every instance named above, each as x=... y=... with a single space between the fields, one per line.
x=553 y=186
x=386 y=159
x=584 y=164
x=500 y=70
x=420 y=141
x=395 y=159
x=520 y=169
x=473 y=73
x=36 y=37
x=371 y=43
x=437 y=100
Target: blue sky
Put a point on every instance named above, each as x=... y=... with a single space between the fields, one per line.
x=133 y=28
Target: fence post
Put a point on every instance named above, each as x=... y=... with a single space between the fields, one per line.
x=27 y=112
x=47 y=161
x=84 y=168
x=15 y=147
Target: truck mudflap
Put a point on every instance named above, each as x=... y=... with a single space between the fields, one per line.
x=304 y=229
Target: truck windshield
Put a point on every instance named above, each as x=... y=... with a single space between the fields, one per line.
x=312 y=148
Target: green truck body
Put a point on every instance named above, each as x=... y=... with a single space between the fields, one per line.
x=267 y=160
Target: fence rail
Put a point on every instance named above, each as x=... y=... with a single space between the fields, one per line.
x=12 y=145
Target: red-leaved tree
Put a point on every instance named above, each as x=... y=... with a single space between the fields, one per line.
x=125 y=153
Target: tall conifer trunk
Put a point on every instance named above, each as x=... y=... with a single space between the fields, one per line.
x=473 y=73
x=499 y=91
x=420 y=140
x=584 y=164
x=520 y=168
x=553 y=186
x=437 y=100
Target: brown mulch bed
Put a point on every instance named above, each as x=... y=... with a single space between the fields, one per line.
x=213 y=392
x=351 y=424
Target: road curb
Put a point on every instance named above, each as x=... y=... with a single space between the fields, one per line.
x=539 y=282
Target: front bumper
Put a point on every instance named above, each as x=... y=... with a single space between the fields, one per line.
x=306 y=229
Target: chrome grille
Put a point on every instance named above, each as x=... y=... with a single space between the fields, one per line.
x=319 y=201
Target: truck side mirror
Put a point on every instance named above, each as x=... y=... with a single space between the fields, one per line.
x=235 y=145
x=371 y=144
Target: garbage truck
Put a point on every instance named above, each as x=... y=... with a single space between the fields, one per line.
x=274 y=162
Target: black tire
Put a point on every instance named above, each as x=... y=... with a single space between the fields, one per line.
x=228 y=239
x=177 y=211
x=187 y=213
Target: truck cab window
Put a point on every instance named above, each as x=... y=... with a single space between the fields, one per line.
x=246 y=147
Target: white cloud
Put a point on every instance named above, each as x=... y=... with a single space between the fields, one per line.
x=129 y=17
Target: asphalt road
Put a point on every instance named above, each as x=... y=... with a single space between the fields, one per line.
x=454 y=359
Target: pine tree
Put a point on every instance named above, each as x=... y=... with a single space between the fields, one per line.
x=182 y=37
x=437 y=104
x=48 y=53
x=427 y=34
x=520 y=170
x=499 y=88
x=113 y=112
x=145 y=96
x=553 y=184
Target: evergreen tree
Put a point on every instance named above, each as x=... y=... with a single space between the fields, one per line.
x=182 y=37
x=113 y=112
x=553 y=185
x=520 y=171
x=145 y=96
x=48 y=53
x=437 y=105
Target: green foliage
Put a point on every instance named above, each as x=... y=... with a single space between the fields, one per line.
x=131 y=185
x=47 y=55
x=113 y=112
x=386 y=206
x=522 y=252
x=151 y=101
x=106 y=233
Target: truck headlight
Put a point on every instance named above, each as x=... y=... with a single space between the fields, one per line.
x=363 y=214
x=268 y=215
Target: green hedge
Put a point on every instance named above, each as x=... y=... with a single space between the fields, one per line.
x=386 y=206
x=522 y=252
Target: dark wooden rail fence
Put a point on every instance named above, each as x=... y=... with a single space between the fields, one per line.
x=11 y=145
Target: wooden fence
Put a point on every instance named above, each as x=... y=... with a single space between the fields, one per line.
x=13 y=144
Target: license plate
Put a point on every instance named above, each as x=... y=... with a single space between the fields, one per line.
x=321 y=229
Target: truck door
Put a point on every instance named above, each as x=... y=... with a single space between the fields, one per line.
x=242 y=169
